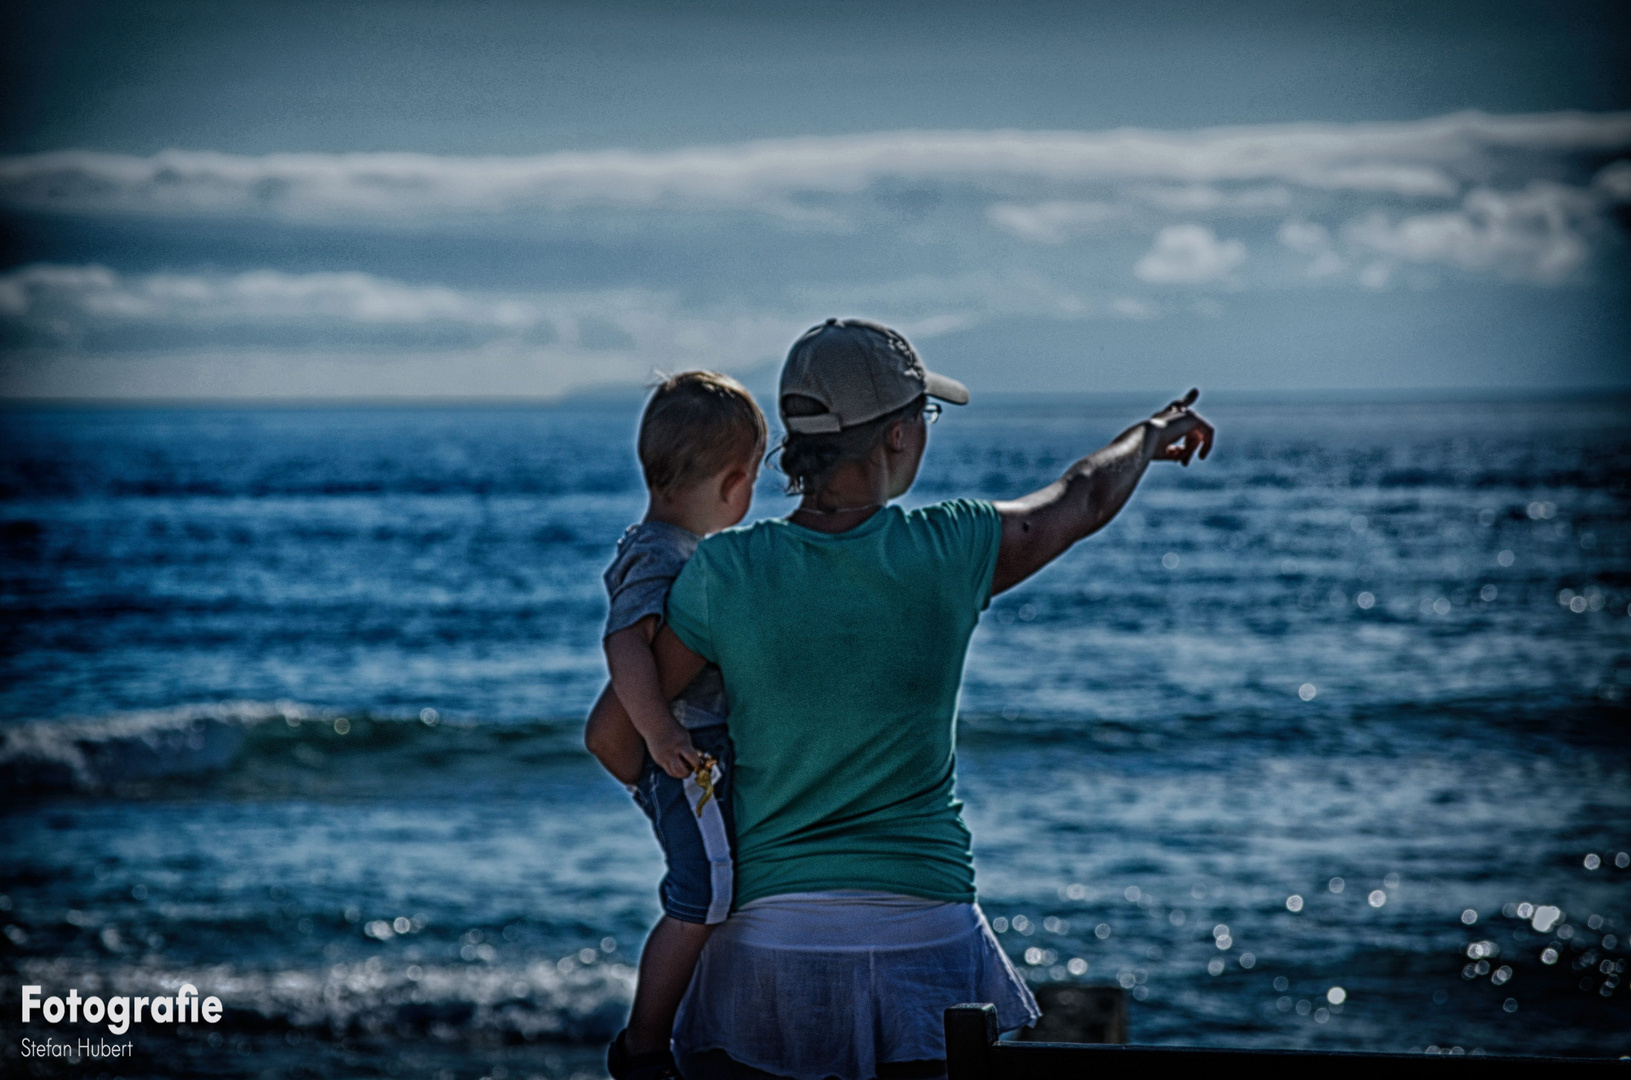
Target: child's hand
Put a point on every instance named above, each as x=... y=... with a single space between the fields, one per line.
x=675 y=754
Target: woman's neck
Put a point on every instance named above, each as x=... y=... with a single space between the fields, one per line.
x=856 y=491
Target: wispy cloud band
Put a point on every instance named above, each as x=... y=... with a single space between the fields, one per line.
x=382 y=276
x=62 y=307
x=1429 y=158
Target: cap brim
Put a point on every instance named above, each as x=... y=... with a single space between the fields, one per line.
x=950 y=390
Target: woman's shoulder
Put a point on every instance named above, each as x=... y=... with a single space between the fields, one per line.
x=951 y=511
x=736 y=540
x=745 y=532
x=765 y=535
x=953 y=532
x=957 y=507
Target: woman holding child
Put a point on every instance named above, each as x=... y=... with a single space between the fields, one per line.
x=840 y=634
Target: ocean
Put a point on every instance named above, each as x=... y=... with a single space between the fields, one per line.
x=1322 y=743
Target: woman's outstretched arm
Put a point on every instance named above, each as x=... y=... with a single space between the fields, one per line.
x=1044 y=524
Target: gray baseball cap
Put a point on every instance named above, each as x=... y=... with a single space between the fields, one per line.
x=859 y=370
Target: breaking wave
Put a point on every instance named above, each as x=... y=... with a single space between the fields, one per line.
x=258 y=747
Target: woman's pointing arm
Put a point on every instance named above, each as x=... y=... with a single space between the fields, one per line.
x=1043 y=525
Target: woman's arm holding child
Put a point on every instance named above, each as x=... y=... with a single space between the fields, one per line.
x=611 y=736
x=639 y=690
x=676 y=664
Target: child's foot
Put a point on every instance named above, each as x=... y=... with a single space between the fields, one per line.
x=657 y=1065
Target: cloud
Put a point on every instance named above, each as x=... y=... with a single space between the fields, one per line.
x=94 y=309
x=1326 y=264
x=1205 y=198
x=42 y=298
x=93 y=331
x=1431 y=158
x=66 y=328
x=1189 y=255
x=1376 y=275
x=1614 y=181
x=46 y=298
x=1304 y=236
x=1057 y=220
x=403 y=273
x=1310 y=238
x=1535 y=233
x=1130 y=307
x=1051 y=222
x=1508 y=195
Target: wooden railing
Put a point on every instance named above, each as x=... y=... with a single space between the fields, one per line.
x=973 y=1053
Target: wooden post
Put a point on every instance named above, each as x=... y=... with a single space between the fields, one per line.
x=970 y=1032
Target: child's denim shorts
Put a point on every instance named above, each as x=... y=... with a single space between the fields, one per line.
x=696 y=830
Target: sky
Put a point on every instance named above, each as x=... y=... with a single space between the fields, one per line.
x=238 y=200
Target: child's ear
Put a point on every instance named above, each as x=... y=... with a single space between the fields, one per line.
x=732 y=482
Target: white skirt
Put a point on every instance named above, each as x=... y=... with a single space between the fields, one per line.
x=829 y=984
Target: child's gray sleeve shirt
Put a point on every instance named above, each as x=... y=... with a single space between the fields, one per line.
x=649 y=557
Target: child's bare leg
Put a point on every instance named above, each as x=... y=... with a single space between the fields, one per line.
x=666 y=964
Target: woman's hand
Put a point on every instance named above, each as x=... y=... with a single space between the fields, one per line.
x=1176 y=433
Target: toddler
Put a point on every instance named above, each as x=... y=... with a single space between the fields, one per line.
x=701 y=439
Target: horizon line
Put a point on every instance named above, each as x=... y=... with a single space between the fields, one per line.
x=623 y=395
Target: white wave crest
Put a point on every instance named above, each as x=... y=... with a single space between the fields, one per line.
x=90 y=754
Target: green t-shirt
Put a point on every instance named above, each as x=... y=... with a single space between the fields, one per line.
x=842 y=655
